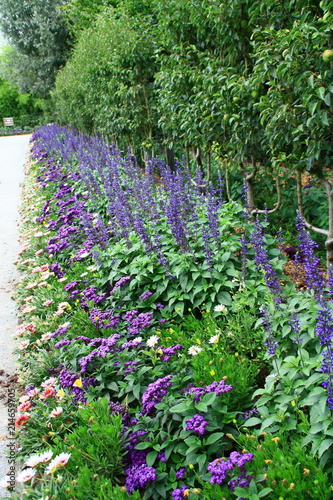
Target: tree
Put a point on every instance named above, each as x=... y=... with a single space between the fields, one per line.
x=107 y=84
x=40 y=37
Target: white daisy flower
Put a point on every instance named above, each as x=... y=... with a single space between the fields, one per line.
x=153 y=340
x=194 y=350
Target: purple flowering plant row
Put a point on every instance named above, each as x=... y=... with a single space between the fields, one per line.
x=115 y=260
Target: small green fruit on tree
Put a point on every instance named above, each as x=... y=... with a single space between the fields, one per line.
x=327 y=55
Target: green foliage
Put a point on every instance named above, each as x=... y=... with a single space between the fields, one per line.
x=107 y=84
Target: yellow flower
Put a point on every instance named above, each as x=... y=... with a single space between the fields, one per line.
x=268 y=461
x=191 y=466
x=198 y=341
x=60 y=393
x=276 y=439
x=306 y=471
x=78 y=383
x=212 y=373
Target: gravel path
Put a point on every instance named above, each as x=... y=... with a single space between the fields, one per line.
x=13 y=150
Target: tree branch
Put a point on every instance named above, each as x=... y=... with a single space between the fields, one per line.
x=300 y=206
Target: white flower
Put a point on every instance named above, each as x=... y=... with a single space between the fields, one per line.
x=23 y=345
x=5 y=482
x=273 y=375
x=194 y=350
x=24 y=398
x=153 y=340
x=214 y=339
x=85 y=254
x=56 y=412
x=92 y=268
x=33 y=392
x=26 y=475
x=33 y=461
x=49 y=382
x=59 y=461
x=220 y=308
x=45 y=456
x=46 y=336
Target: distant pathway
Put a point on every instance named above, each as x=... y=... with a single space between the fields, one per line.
x=13 y=150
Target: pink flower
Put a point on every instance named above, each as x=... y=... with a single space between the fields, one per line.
x=31 y=285
x=27 y=309
x=58 y=462
x=40 y=251
x=36 y=270
x=42 y=283
x=20 y=330
x=48 y=302
x=21 y=420
x=26 y=406
x=44 y=267
x=45 y=456
x=50 y=382
x=47 y=393
x=33 y=392
x=56 y=412
x=31 y=327
x=23 y=345
x=26 y=475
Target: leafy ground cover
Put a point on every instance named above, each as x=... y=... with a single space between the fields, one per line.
x=163 y=352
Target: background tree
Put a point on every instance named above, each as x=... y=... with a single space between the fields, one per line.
x=107 y=84
x=36 y=30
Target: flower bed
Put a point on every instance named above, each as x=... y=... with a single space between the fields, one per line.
x=147 y=328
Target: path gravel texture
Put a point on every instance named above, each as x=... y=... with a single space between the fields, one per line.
x=13 y=152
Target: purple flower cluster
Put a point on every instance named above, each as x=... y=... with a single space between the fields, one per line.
x=154 y=393
x=197 y=424
x=67 y=379
x=140 y=322
x=104 y=347
x=103 y=319
x=217 y=387
x=178 y=493
x=220 y=467
x=170 y=351
x=180 y=473
x=139 y=477
x=145 y=295
x=59 y=331
x=122 y=282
